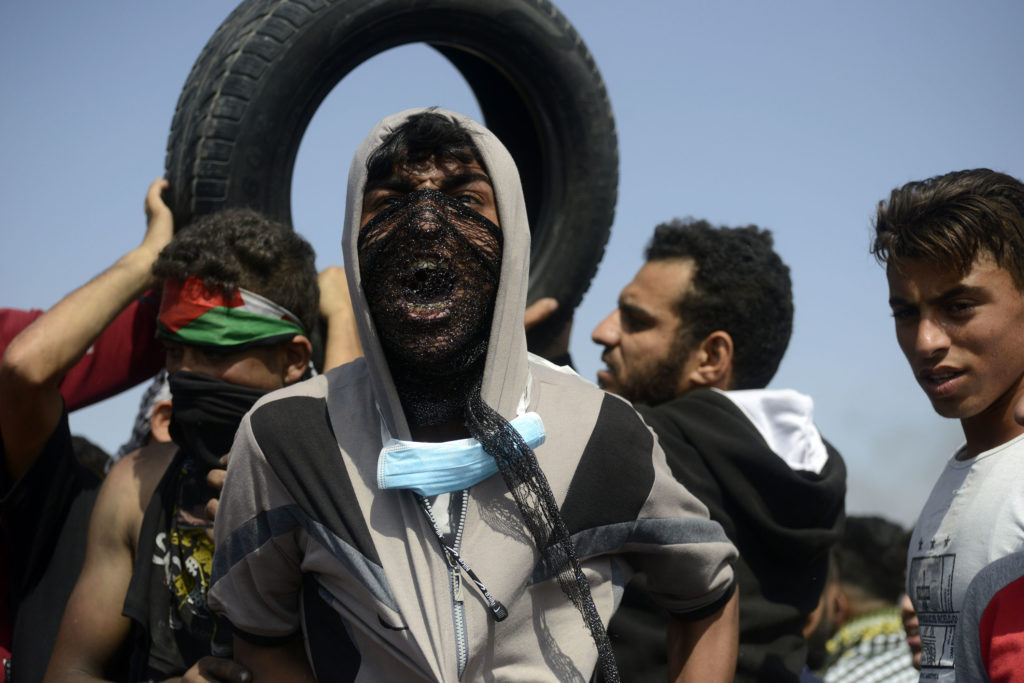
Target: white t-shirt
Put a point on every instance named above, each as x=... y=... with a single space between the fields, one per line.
x=974 y=515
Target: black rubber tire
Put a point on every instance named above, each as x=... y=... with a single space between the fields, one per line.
x=259 y=80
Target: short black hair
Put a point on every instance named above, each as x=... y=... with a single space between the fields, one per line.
x=740 y=285
x=872 y=556
x=243 y=248
x=418 y=138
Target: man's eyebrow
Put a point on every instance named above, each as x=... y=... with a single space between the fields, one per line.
x=465 y=178
x=398 y=183
x=633 y=309
x=951 y=293
x=403 y=183
x=960 y=289
x=897 y=301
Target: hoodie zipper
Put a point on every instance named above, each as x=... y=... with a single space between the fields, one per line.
x=455 y=574
x=457 y=565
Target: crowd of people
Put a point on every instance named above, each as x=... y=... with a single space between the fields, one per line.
x=431 y=501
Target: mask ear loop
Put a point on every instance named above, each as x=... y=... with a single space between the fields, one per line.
x=524 y=399
x=385 y=433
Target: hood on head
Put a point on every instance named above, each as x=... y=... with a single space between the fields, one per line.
x=505 y=370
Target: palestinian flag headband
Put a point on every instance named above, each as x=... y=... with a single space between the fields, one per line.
x=191 y=313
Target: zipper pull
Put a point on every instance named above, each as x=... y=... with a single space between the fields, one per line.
x=499 y=611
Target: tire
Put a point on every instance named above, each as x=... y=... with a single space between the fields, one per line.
x=259 y=80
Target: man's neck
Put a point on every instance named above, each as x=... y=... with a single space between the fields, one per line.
x=435 y=406
x=448 y=431
x=993 y=426
x=867 y=606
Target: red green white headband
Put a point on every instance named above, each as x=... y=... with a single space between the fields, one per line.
x=191 y=313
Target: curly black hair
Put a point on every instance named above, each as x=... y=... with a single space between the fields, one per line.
x=740 y=285
x=243 y=248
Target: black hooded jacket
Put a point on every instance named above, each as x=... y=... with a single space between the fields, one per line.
x=783 y=521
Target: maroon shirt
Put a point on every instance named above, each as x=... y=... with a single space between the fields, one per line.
x=125 y=354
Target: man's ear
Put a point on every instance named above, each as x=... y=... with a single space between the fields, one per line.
x=842 y=606
x=160 y=422
x=296 y=354
x=713 y=366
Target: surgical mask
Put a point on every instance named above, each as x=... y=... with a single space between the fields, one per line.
x=431 y=469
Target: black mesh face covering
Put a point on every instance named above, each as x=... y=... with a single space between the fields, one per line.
x=430 y=268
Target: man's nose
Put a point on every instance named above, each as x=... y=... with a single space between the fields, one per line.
x=191 y=360
x=607 y=331
x=186 y=360
x=429 y=182
x=427 y=217
x=931 y=339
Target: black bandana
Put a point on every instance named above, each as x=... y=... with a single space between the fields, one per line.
x=205 y=414
x=430 y=267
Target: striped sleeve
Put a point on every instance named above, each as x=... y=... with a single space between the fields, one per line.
x=256 y=576
x=624 y=500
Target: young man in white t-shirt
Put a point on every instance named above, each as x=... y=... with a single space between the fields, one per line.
x=953 y=247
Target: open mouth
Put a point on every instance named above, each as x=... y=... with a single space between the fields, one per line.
x=426 y=289
x=940 y=384
x=941 y=378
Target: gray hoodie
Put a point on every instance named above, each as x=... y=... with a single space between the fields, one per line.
x=307 y=541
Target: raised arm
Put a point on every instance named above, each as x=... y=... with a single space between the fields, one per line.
x=705 y=650
x=342 y=339
x=38 y=358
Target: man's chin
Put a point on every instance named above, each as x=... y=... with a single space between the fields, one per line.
x=954 y=409
x=439 y=356
x=606 y=380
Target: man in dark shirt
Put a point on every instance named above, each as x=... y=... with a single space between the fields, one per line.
x=239 y=291
x=695 y=339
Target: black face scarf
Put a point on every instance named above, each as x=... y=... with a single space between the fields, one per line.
x=205 y=414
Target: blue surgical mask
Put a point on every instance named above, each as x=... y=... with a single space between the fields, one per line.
x=431 y=469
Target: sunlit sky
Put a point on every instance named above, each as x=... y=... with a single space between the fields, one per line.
x=798 y=117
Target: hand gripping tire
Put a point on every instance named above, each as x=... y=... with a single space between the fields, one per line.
x=261 y=77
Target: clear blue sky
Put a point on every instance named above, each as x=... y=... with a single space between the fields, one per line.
x=796 y=116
